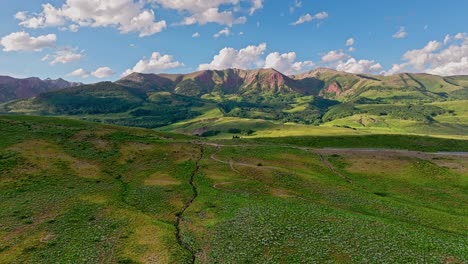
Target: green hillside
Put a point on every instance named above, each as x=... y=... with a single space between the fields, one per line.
x=81 y=192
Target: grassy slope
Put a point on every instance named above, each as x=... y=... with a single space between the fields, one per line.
x=80 y=192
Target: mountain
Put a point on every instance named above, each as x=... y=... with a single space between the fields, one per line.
x=345 y=86
x=211 y=101
x=13 y=89
x=230 y=81
x=321 y=82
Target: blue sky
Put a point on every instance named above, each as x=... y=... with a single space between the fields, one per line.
x=113 y=37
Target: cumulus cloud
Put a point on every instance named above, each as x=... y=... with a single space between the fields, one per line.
x=286 y=63
x=63 y=56
x=341 y=61
x=225 y=31
x=400 y=33
x=22 y=41
x=212 y=15
x=245 y=58
x=350 y=42
x=308 y=18
x=446 y=57
x=127 y=15
x=101 y=72
x=155 y=64
x=253 y=57
x=196 y=35
x=204 y=12
x=82 y=73
x=359 y=66
x=334 y=55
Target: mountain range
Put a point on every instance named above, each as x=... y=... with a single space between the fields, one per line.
x=322 y=82
x=195 y=103
x=13 y=88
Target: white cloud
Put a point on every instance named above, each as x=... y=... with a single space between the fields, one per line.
x=196 y=35
x=224 y=12
x=79 y=73
x=212 y=15
x=127 y=15
x=396 y=68
x=21 y=15
x=341 y=61
x=253 y=57
x=73 y=28
x=157 y=63
x=351 y=49
x=460 y=36
x=296 y=4
x=308 y=18
x=359 y=66
x=286 y=63
x=334 y=55
x=245 y=58
x=350 y=42
x=447 y=57
x=447 y=39
x=418 y=58
x=102 y=72
x=256 y=5
x=225 y=31
x=22 y=41
x=400 y=33
x=63 y=56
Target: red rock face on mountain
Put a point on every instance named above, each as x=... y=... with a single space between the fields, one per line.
x=266 y=80
x=334 y=88
x=13 y=89
x=230 y=81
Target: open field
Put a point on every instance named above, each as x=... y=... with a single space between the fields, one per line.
x=81 y=192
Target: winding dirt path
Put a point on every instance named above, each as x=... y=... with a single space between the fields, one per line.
x=180 y=214
x=330 y=166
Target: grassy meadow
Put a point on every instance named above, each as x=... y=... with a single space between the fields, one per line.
x=80 y=192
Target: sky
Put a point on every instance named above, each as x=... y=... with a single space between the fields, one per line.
x=98 y=40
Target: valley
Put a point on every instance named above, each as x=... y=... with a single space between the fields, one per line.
x=266 y=103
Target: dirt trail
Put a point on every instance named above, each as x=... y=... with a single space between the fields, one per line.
x=180 y=214
x=330 y=166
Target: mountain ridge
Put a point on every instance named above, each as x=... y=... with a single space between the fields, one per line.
x=320 y=82
x=15 y=88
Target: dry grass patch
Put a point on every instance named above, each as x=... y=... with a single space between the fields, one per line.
x=279 y=192
x=95 y=198
x=43 y=155
x=458 y=164
x=161 y=179
x=373 y=164
x=145 y=240
x=130 y=151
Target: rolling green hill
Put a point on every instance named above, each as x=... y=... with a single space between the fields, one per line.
x=81 y=192
x=260 y=102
